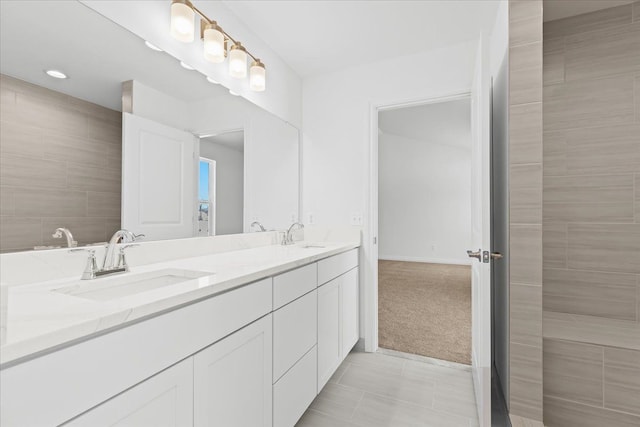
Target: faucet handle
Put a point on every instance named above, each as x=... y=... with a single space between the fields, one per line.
x=122 y=261
x=92 y=265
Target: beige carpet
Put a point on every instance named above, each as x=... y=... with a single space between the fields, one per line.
x=425 y=309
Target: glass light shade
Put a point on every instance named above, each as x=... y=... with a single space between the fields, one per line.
x=213 y=44
x=182 y=17
x=237 y=62
x=257 y=77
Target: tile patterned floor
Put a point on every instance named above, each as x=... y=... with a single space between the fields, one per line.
x=378 y=390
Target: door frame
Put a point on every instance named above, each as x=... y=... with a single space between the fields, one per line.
x=369 y=282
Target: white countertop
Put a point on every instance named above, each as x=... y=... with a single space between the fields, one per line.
x=39 y=319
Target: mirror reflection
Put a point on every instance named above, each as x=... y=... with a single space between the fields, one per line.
x=120 y=135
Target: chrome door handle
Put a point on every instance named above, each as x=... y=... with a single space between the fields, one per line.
x=477 y=254
x=496 y=255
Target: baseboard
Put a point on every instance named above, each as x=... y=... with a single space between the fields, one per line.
x=463 y=261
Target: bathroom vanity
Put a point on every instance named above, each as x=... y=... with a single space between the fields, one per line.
x=235 y=338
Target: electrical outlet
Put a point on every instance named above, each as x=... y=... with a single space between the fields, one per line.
x=294 y=217
x=356 y=218
x=433 y=248
x=310 y=218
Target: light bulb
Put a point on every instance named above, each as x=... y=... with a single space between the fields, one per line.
x=214 y=46
x=182 y=16
x=238 y=61
x=257 y=76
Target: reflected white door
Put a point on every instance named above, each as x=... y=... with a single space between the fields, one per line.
x=159 y=174
x=481 y=234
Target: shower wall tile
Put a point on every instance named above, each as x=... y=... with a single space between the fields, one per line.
x=553 y=59
x=573 y=371
x=607 y=101
x=589 y=198
x=525 y=188
x=607 y=18
x=604 y=247
x=554 y=245
x=622 y=380
x=563 y=413
x=592 y=293
x=525 y=206
x=525 y=138
x=601 y=53
x=60 y=166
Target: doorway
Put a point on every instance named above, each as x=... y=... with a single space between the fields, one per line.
x=424 y=229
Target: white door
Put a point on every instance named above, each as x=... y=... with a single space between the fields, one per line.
x=164 y=400
x=159 y=173
x=481 y=235
x=233 y=379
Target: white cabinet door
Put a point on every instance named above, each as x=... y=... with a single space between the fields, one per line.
x=349 y=310
x=329 y=344
x=232 y=384
x=164 y=400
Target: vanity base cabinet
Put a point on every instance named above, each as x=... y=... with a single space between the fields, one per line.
x=294 y=392
x=232 y=379
x=164 y=400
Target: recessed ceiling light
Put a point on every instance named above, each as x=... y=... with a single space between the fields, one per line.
x=186 y=66
x=152 y=46
x=210 y=80
x=233 y=93
x=56 y=74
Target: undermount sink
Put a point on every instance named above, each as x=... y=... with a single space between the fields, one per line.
x=311 y=245
x=105 y=289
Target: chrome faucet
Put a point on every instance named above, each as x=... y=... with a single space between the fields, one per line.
x=258 y=224
x=120 y=236
x=92 y=271
x=67 y=234
x=288 y=236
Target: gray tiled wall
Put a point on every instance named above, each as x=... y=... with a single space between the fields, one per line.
x=525 y=207
x=60 y=166
x=591 y=216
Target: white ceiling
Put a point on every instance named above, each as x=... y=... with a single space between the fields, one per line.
x=443 y=123
x=233 y=139
x=97 y=54
x=558 y=9
x=317 y=36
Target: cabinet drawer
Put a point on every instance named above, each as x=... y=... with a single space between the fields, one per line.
x=292 y=284
x=294 y=332
x=336 y=265
x=295 y=391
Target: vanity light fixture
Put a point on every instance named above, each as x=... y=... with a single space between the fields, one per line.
x=56 y=74
x=186 y=66
x=233 y=93
x=217 y=44
x=152 y=46
x=210 y=80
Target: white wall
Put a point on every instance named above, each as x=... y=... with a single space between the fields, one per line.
x=337 y=110
x=336 y=114
x=229 y=202
x=424 y=199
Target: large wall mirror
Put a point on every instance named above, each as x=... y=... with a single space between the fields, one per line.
x=130 y=139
